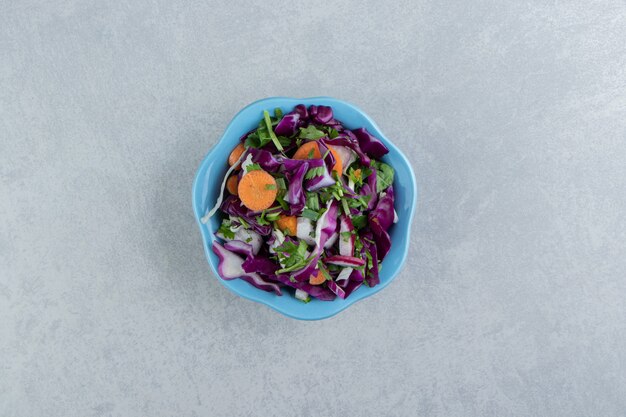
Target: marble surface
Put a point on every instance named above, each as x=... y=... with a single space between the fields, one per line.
x=513 y=115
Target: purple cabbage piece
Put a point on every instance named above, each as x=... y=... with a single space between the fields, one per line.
x=343 y=277
x=232 y=205
x=323 y=115
x=293 y=164
x=305 y=273
x=302 y=112
x=335 y=124
x=352 y=287
x=260 y=283
x=346 y=243
x=312 y=112
x=295 y=194
x=347 y=261
x=356 y=276
x=334 y=287
x=383 y=241
x=288 y=125
x=346 y=154
x=266 y=159
x=369 y=189
x=372 y=277
x=239 y=247
x=260 y=265
x=319 y=181
x=380 y=219
x=347 y=138
x=370 y=144
x=326 y=224
x=230 y=267
x=331 y=240
x=330 y=157
x=383 y=212
x=320 y=292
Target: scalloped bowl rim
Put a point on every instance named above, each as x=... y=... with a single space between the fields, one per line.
x=315 y=310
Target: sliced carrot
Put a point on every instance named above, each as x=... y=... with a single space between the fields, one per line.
x=317 y=279
x=231 y=184
x=236 y=154
x=310 y=150
x=257 y=190
x=287 y=224
x=338 y=167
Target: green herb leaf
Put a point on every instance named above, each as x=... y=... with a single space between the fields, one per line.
x=314 y=172
x=292 y=256
x=253 y=167
x=310 y=214
x=261 y=219
x=384 y=176
x=264 y=136
x=272 y=216
x=284 y=140
x=270 y=186
x=359 y=202
x=344 y=205
x=252 y=141
x=311 y=132
x=226 y=230
x=312 y=201
x=281 y=183
x=280 y=198
x=278 y=113
x=268 y=123
x=359 y=222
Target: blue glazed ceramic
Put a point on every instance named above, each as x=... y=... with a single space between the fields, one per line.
x=208 y=180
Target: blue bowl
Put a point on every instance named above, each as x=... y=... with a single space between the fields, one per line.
x=208 y=180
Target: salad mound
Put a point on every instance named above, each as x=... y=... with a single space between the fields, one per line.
x=306 y=204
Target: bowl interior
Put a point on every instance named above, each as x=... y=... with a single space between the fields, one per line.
x=211 y=172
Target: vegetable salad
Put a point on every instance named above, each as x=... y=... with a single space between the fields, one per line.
x=306 y=204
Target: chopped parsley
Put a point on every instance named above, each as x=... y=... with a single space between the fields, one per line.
x=253 y=167
x=311 y=132
x=314 y=172
x=225 y=229
x=312 y=201
x=359 y=222
x=384 y=176
x=310 y=214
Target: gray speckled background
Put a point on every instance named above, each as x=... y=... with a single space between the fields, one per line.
x=513 y=299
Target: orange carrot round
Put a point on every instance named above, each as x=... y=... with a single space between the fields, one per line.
x=310 y=150
x=231 y=184
x=287 y=224
x=257 y=190
x=236 y=154
x=317 y=279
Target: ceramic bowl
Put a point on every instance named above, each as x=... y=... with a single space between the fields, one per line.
x=209 y=177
